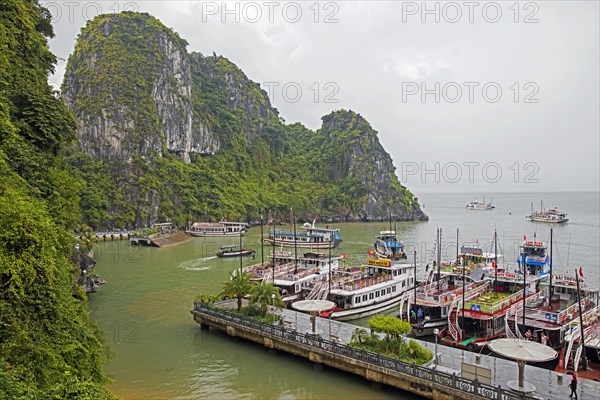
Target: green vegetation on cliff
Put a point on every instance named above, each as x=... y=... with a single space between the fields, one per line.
x=169 y=135
x=49 y=347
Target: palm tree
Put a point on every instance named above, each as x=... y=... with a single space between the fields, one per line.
x=262 y=294
x=239 y=285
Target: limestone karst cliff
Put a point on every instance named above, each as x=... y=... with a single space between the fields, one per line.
x=183 y=136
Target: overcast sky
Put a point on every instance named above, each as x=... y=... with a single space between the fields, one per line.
x=517 y=87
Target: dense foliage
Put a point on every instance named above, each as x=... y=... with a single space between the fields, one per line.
x=49 y=348
x=262 y=162
x=393 y=344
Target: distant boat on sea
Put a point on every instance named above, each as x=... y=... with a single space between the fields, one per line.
x=551 y=216
x=222 y=228
x=476 y=205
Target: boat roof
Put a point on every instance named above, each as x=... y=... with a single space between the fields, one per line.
x=315 y=228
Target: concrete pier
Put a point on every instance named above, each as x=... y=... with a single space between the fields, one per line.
x=329 y=347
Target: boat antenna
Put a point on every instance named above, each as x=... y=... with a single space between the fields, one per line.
x=390 y=215
x=295 y=242
x=262 y=241
x=581 y=324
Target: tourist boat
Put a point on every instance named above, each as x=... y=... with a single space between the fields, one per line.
x=434 y=299
x=477 y=205
x=234 y=250
x=558 y=319
x=309 y=237
x=481 y=317
x=551 y=216
x=219 y=229
x=369 y=289
x=388 y=245
x=298 y=276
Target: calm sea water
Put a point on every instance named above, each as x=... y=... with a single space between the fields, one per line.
x=159 y=352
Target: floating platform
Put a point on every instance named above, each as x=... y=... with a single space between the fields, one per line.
x=161 y=241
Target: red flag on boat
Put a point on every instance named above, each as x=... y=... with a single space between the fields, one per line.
x=316 y=216
x=494 y=264
x=524 y=238
x=369 y=252
x=581 y=272
x=345 y=257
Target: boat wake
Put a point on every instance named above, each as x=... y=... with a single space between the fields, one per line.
x=197 y=264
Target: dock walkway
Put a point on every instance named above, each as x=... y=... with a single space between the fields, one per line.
x=329 y=347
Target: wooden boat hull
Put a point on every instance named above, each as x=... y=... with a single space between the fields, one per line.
x=361 y=312
x=225 y=254
x=213 y=234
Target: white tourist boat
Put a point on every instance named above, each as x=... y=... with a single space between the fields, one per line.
x=307 y=237
x=370 y=289
x=218 y=229
x=298 y=276
x=552 y=215
x=477 y=205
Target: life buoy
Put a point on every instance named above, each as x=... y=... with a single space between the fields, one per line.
x=472 y=347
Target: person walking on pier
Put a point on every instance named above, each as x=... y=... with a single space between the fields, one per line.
x=573 y=386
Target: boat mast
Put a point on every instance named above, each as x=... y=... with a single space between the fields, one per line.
x=523 y=260
x=550 y=289
x=457 y=260
x=414 y=279
x=439 y=257
x=241 y=257
x=495 y=260
x=464 y=263
x=295 y=242
x=273 y=255
x=329 y=276
x=262 y=241
x=581 y=324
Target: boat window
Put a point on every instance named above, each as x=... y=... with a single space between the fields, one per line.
x=357 y=299
x=389 y=290
x=371 y=296
x=364 y=298
x=393 y=288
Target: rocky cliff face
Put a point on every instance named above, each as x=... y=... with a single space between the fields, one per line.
x=362 y=159
x=132 y=94
x=186 y=136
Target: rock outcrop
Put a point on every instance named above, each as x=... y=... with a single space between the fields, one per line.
x=183 y=135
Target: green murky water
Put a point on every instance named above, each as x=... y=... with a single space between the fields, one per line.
x=160 y=353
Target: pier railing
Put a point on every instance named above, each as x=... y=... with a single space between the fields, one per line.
x=472 y=387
